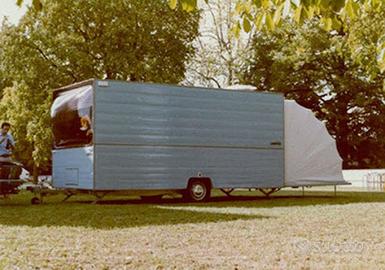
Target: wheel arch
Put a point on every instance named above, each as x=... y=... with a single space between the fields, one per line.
x=207 y=180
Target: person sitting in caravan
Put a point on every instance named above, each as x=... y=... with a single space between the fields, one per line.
x=85 y=127
x=7 y=143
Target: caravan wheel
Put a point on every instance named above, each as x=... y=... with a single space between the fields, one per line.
x=198 y=190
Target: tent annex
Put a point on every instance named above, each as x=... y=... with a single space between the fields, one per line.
x=311 y=156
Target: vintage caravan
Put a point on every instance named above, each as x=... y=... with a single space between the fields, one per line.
x=153 y=139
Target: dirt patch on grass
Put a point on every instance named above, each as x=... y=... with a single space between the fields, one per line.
x=348 y=236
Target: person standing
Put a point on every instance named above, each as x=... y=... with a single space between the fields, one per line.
x=7 y=143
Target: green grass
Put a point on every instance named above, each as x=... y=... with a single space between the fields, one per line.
x=120 y=212
x=108 y=214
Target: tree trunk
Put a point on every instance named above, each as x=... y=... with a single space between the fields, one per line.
x=35 y=173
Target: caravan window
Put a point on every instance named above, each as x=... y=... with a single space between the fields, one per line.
x=71 y=114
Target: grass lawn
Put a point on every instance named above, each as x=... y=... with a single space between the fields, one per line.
x=244 y=231
x=124 y=212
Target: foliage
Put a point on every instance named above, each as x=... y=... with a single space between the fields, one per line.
x=131 y=40
x=333 y=14
x=219 y=53
x=269 y=14
x=69 y=41
x=36 y=4
x=366 y=36
x=317 y=69
x=30 y=123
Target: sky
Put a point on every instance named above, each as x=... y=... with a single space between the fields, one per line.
x=9 y=9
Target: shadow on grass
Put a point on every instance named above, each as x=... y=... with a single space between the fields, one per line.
x=118 y=212
x=104 y=215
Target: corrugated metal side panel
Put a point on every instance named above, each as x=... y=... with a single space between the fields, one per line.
x=73 y=168
x=156 y=137
x=140 y=167
x=130 y=113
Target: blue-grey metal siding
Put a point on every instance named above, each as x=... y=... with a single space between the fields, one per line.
x=156 y=136
x=73 y=168
x=169 y=167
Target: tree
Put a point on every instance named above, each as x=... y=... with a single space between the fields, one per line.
x=69 y=41
x=220 y=54
x=132 y=40
x=366 y=35
x=270 y=13
x=333 y=14
x=30 y=120
x=317 y=69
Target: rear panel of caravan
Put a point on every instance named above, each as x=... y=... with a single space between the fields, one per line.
x=73 y=168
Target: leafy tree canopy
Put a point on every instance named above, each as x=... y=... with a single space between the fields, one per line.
x=268 y=14
x=62 y=42
x=333 y=14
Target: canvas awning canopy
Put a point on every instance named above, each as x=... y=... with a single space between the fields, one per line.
x=311 y=156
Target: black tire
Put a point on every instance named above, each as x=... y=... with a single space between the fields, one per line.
x=197 y=191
